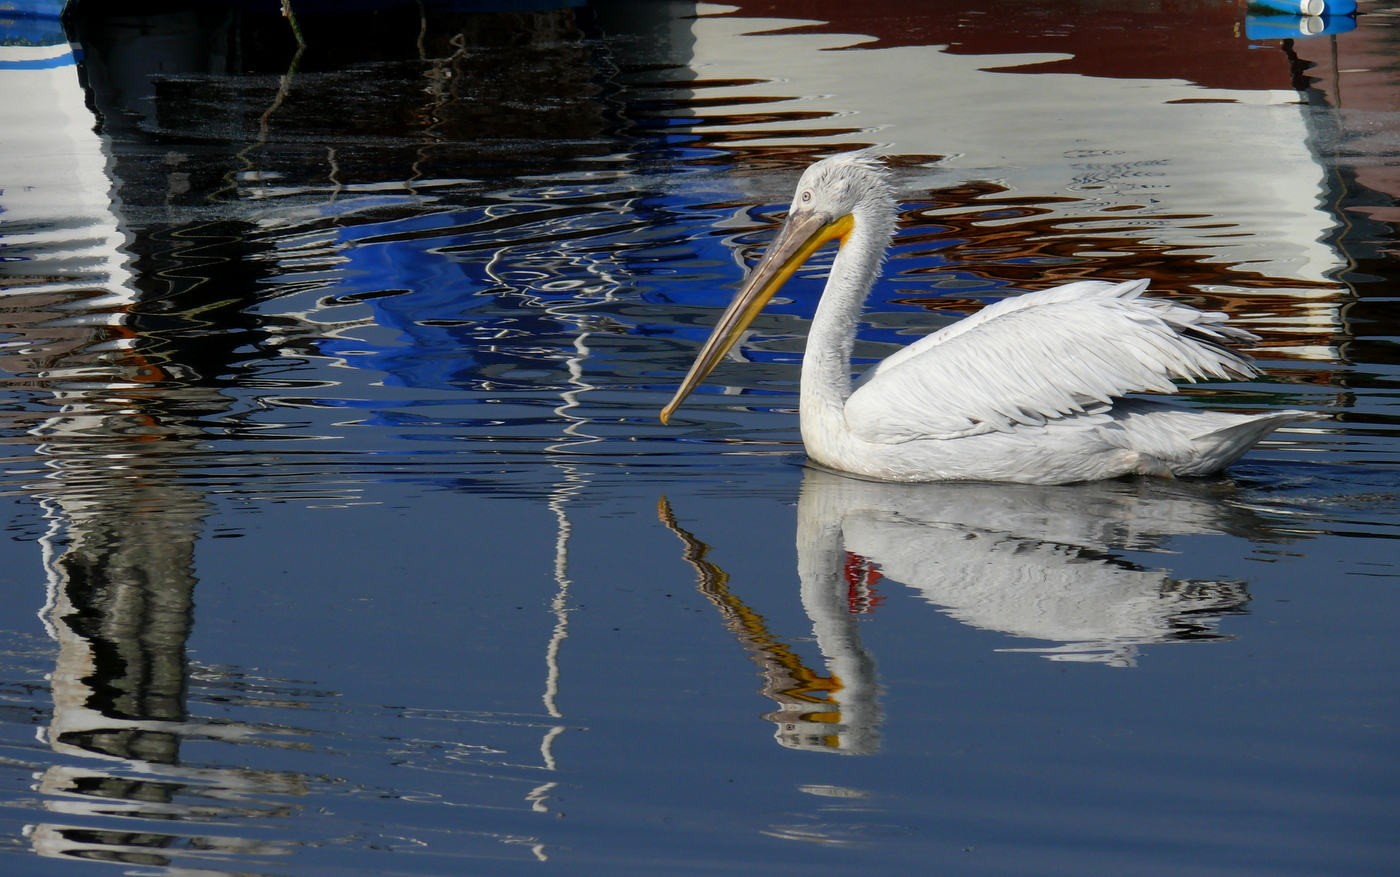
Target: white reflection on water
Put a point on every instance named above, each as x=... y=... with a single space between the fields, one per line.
x=55 y=188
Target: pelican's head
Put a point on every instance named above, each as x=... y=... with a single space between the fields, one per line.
x=843 y=185
x=831 y=196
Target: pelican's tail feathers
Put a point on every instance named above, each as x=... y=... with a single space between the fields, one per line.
x=1171 y=440
x=1223 y=445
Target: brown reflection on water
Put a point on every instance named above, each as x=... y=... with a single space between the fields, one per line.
x=1198 y=40
x=1356 y=74
x=1023 y=241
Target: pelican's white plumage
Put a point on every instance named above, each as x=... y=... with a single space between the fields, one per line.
x=1031 y=389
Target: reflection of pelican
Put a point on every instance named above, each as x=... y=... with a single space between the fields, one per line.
x=1030 y=389
x=1027 y=560
x=838 y=712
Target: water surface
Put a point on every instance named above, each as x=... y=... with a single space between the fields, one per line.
x=345 y=540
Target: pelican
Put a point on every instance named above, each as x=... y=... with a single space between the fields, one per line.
x=1031 y=389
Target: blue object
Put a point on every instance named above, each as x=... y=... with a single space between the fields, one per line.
x=1293 y=27
x=1308 y=7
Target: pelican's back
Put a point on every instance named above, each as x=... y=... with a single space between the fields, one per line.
x=1040 y=357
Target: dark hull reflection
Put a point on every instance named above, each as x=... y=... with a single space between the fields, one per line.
x=436 y=94
x=133 y=349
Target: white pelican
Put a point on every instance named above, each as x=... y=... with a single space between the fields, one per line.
x=1030 y=389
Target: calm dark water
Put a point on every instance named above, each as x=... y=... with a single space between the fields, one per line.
x=344 y=538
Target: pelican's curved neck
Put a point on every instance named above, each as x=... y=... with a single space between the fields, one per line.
x=826 y=365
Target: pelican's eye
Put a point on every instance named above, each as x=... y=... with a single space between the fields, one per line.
x=806 y=196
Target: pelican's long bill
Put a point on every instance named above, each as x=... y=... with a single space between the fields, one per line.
x=803 y=232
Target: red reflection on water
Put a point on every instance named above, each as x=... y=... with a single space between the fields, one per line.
x=1201 y=41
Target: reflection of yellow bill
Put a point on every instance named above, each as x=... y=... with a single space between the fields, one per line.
x=801 y=235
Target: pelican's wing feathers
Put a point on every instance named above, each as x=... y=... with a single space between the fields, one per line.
x=1040 y=356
